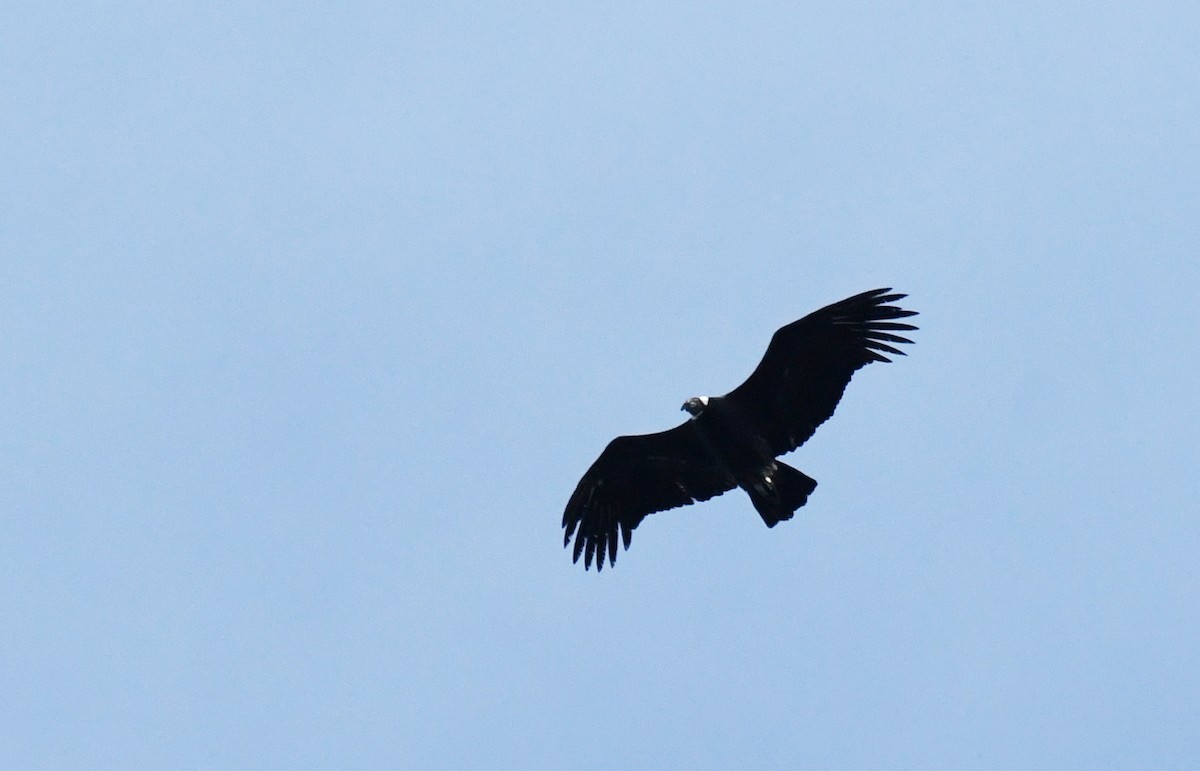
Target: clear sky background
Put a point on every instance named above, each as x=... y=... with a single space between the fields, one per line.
x=312 y=316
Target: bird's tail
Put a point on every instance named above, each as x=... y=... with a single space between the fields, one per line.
x=777 y=499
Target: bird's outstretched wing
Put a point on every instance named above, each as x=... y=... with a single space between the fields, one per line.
x=808 y=364
x=633 y=477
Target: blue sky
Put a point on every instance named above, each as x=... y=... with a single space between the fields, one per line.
x=313 y=317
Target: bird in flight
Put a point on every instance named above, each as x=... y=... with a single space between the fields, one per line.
x=733 y=440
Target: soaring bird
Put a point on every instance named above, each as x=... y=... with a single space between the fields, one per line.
x=733 y=440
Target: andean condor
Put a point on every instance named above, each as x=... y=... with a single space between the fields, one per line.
x=733 y=440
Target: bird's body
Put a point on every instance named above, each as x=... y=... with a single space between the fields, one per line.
x=725 y=433
x=734 y=440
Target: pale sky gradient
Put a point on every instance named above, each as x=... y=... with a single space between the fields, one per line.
x=312 y=315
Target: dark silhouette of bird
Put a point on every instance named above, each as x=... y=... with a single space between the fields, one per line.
x=733 y=440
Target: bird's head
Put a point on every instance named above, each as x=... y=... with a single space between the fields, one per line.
x=695 y=405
